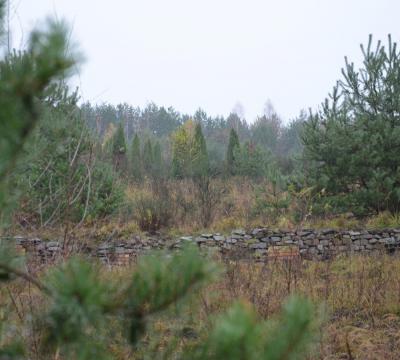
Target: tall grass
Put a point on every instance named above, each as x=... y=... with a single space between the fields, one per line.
x=360 y=296
x=240 y=204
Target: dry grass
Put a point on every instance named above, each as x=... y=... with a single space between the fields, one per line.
x=238 y=203
x=234 y=205
x=241 y=203
x=359 y=295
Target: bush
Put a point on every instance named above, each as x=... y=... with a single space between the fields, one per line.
x=64 y=178
x=151 y=210
x=107 y=193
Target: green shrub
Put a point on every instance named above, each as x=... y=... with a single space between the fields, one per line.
x=107 y=193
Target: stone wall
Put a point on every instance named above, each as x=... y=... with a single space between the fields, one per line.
x=258 y=244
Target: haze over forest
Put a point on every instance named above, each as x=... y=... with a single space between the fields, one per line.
x=213 y=54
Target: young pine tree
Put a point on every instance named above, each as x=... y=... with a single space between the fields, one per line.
x=157 y=160
x=180 y=152
x=108 y=138
x=25 y=78
x=199 y=157
x=352 y=143
x=119 y=144
x=233 y=147
x=148 y=159
x=136 y=159
x=250 y=161
x=119 y=149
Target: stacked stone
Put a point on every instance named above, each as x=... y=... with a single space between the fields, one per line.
x=48 y=251
x=123 y=252
x=120 y=253
x=257 y=244
x=312 y=244
x=38 y=249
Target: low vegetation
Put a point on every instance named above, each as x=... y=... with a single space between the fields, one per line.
x=355 y=309
x=67 y=167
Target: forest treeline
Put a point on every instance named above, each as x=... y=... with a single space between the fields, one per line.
x=157 y=123
x=167 y=169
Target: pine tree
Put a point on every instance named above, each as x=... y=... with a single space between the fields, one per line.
x=181 y=153
x=199 y=157
x=25 y=77
x=148 y=159
x=233 y=147
x=351 y=143
x=108 y=139
x=119 y=149
x=157 y=160
x=200 y=173
x=250 y=161
x=136 y=159
x=119 y=143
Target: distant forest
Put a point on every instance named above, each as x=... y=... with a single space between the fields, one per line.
x=167 y=169
x=278 y=141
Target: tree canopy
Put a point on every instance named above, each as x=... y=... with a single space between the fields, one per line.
x=352 y=142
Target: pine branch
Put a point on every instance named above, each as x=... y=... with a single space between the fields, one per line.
x=26 y=277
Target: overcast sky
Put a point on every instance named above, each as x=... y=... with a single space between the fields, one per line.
x=214 y=53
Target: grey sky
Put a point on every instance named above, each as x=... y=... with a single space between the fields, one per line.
x=215 y=53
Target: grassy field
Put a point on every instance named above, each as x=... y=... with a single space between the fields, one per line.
x=359 y=298
x=357 y=305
